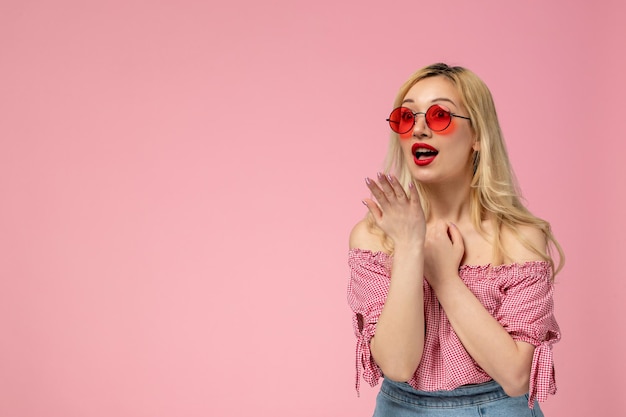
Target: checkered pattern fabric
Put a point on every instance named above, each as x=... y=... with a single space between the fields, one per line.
x=519 y=296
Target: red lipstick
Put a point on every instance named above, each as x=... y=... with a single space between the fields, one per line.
x=423 y=154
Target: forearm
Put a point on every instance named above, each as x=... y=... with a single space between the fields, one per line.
x=399 y=341
x=490 y=345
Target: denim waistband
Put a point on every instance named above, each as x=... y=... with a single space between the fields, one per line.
x=466 y=395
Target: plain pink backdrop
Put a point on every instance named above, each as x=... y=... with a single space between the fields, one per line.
x=178 y=180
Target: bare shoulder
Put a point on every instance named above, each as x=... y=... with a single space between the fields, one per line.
x=514 y=245
x=363 y=236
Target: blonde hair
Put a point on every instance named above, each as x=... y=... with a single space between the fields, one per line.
x=494 y=191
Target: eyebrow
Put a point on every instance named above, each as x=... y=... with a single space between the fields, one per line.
x=409 y=100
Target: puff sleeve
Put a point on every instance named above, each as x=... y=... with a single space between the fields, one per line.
x=367 y=291
x=527 y=313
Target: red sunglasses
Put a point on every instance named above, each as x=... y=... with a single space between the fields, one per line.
x=438 y=118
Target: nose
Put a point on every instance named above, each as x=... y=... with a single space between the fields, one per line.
x=420 y=128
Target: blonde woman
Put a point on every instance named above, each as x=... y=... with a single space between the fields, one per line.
x=451 y=276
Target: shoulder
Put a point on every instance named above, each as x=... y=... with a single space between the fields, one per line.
x=367 y=237
x=518 y=243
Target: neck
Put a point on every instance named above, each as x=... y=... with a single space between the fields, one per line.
x=449 y=201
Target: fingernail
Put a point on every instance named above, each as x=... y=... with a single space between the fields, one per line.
x=364 y=203
x=368 y=181
x=380 y=176
x=389 y=178
x=411 y=184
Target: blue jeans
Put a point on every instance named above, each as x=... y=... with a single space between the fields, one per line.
x=399 y=399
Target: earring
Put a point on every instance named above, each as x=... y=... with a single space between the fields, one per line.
x=475 y=161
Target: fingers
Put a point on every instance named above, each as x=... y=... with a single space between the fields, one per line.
x=414 y=197
x=374 y=209
x=445 y=232
x=377 y=192
x=391 y=186
x=455 y=234
x=387 y=190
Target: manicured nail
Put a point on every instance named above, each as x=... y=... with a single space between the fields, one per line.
x=368 y=181
x=411 y=185
x=364 y=203
x=380 y=175
x=389 y=178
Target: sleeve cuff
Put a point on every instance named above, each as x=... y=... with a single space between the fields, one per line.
x=542 y=381
x=364 y=361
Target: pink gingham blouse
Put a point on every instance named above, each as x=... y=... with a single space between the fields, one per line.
x=519 y=296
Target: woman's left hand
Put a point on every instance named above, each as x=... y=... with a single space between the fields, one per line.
x=443 y=251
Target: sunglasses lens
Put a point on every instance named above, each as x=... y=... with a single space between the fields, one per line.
x=438 y=118
x=401 y=120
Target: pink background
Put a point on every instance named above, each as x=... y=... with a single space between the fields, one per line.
x=178 y=180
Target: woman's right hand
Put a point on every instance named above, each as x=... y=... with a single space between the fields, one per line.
x=398 y=344
x=399 y=215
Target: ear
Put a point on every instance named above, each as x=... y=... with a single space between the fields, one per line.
x=476 y=145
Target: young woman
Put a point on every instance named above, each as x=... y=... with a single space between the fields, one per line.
x=451 y=276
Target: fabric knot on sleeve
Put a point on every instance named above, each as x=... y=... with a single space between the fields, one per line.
x=364 y=361
x=542 y=381
x=367 y=292
x=527 y=313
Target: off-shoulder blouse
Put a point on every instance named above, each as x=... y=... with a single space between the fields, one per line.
x=519 y=296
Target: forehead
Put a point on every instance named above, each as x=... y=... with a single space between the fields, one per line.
x=433 y=89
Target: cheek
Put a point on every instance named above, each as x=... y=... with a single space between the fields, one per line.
x=450 y=129
x=406 y=149
x=407 y=135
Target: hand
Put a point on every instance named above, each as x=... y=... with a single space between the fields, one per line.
x=443 y=251
x=399 y=215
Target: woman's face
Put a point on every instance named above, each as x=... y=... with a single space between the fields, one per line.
x=444 y=156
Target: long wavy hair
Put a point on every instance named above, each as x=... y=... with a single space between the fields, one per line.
x=494 y=190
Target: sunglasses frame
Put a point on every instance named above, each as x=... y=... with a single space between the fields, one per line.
x=425 y=118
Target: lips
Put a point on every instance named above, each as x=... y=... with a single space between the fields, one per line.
x=423 y=154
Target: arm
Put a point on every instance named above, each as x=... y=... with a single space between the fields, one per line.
x=399 y=340
x=506 y=360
